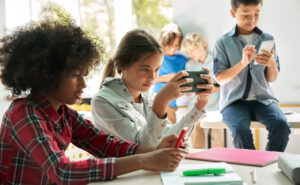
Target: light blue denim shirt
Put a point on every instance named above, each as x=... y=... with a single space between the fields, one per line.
x=113 y=112
x=228 y=52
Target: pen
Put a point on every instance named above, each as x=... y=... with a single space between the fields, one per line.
x=196 y=172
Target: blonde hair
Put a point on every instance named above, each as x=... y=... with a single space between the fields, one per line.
x=193 y=40
x=169 y=33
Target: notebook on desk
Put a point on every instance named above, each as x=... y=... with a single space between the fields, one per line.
x=236 y=156
x=176 y=176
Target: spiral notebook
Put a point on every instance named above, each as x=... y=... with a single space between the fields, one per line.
x=236 y=156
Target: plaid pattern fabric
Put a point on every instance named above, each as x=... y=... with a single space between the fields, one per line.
x=33 y=140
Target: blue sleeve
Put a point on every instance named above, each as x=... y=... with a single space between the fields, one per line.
x=220 y=59
x=276 y=58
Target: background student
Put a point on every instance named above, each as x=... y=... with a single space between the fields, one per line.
x=195 y=47
x=122 y=107
x=245 y=90
x=48 y=60
x=170 y=38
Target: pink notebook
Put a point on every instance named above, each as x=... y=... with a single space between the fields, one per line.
x=236 y=156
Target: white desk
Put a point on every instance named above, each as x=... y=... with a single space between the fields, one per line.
x=268 y=175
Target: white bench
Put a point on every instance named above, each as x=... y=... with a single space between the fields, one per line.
x=213 y=120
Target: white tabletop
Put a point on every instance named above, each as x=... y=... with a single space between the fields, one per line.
x=268 y=175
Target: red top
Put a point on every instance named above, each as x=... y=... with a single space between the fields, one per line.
x=33 y=140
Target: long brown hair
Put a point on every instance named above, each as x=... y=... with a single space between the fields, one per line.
x=132 y=46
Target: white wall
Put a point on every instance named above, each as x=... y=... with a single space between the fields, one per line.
x=280 y=18
x=3 y=102
x=123 y=18
x=2 y=17
x=15 y=13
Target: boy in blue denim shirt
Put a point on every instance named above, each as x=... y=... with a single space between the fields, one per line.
x=246 y=94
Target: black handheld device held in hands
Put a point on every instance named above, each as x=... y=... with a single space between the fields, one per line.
x=196 y=80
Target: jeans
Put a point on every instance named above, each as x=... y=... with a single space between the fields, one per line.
x=238 y=115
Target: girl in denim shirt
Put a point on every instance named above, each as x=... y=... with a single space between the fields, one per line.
x=122 y=107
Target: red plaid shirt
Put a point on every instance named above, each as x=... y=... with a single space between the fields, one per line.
x=33 y=140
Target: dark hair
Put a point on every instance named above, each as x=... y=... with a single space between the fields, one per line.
x=169 y=33
x=236 y=3
x=132 y=46
x=34 y=57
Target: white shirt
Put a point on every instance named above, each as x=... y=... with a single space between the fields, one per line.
x=252 y=94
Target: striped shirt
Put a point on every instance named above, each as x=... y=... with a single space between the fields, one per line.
x=33 y=140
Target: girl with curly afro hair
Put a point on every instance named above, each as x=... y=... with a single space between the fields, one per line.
x=43 y=65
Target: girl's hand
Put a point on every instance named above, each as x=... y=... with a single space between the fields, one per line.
x=166 y=159
x=169 y=92
x=167 y=142
x=173 y=90
x=266 y=58
x=203 y=96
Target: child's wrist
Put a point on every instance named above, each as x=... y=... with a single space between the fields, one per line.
x=140 y=161
x=273 y=63
x=161 y=99
x=200 y=105
x=143 y=161
x=242 y=64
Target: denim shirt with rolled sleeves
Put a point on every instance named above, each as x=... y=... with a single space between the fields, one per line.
x=227 y=52
x=113 y=112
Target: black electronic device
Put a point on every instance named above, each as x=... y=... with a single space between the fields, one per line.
x=196 y=80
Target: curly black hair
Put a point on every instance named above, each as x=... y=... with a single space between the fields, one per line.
x=34 y=56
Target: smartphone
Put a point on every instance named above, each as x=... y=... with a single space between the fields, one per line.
x=181 y=137
x=266 y=45
x=196 y=80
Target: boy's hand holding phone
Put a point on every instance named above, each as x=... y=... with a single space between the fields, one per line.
x=266 y=58
x=265 y=54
